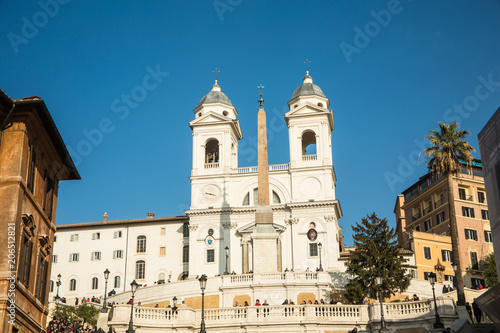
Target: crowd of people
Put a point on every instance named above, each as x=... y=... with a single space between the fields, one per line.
x=61 y=326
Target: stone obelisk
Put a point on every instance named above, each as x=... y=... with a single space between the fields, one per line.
x=264 y=237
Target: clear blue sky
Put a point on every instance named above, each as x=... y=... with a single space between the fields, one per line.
x=392 y=71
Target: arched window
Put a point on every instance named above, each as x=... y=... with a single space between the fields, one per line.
x=185 y=253
x=212 y=151
x=72 y=285
x=95 y=283
x=308 y=143
x=254 y=199
x=141 y=244
x=140 y=269
x=276 y=198
x=117 y=282
x=51 y=286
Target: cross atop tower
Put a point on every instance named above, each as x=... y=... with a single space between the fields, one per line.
x=261 y=101
x=307 y=62
x=216 y=71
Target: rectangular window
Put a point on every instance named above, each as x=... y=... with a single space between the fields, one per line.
x=447 y=255
x=117 y=254
x=426 y=275
x=25 y=261
x=484 y=214
x=440 y=217
x=48 y=195
x=417 y=228
x=162 y=232
x=449 y=278
x=476 y=282
x=117 y=234
x=471 y=234
x=41 y=278
x=96 y=235
x=427 y=252
x=427 y=225
x=185 y=229
x=140 y=269
x=74 y=257
x=487 y=236
x=163 y=251
x=54 y=258
x=73 y=238
x=96 y=255
x=313 y=250
x=55 y=239
x=185 y=253
x=468 y=211
x=414 y=273
x=473 y=261
x=31 y=169
x=481 y=197
x=210 y=255
x=461 y=194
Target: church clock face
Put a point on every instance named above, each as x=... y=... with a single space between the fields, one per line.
x=211 y=192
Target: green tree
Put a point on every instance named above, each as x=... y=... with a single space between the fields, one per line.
x=490 y=273
x=377 y=250
x=87 y=313
x=447 y=149
x=64 y=312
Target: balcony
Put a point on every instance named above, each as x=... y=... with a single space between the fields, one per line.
x=438 y=203
x=276 y=167
x=211 y=165
x=312 y=157
x=416 y=217
x=465 y=197
x=427 y=210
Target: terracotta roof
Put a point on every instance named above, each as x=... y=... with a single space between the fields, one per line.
x=120 y=222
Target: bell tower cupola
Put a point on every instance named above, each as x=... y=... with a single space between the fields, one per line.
x=216 y=132
x=310 y=124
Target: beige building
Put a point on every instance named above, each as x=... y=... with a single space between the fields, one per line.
x=423 y=226
x=33 y=159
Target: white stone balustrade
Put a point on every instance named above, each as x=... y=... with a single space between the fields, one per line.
x=276 y=167
x=223 y=319
x=312 y=157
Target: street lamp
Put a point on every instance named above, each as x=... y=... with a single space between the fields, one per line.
x=133 y=287
x=432 y=280
x=106 y=276
x=227 y=257
x=320 y=246
x=203 y=285
x=379 y=280
x=58 y=284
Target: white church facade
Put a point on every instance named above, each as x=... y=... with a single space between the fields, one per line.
x=222 y=213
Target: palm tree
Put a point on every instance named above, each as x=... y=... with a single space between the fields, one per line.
x=447 y=148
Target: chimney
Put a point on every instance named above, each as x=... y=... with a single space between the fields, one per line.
x=150 y=215
x=105 y=217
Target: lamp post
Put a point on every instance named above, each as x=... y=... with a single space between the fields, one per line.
x=133 y=287
x=379 y=280
x=226 y=272
x=58 y=284
x=320 y=246
x=203 y=285
x=432 y=280
x=104 y=305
